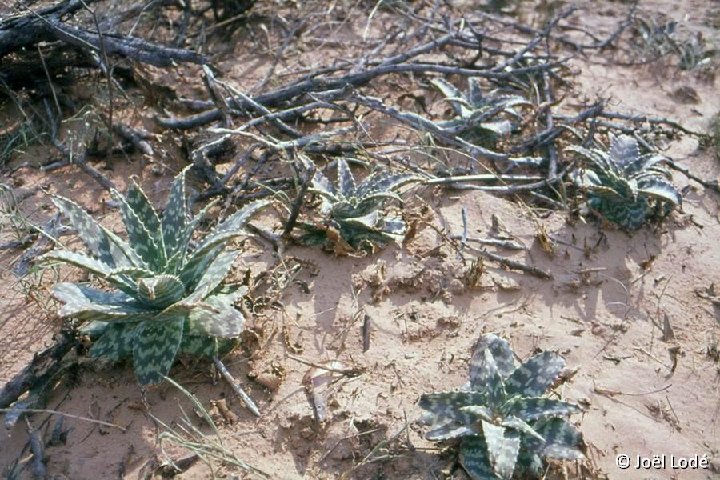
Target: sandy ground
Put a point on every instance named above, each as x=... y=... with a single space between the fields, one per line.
x=611 y=297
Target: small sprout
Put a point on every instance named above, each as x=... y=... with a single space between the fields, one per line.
x=625 y=187
x=505 y=423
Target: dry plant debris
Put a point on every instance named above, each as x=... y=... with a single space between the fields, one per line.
x=394 y=135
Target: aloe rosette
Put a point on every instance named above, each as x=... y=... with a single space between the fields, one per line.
x=356 y=210
x=165 y=295
x=476 y=112
x=505 y=423
x=625 y=187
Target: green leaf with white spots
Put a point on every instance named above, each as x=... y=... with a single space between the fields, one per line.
x=213 y=275
x=89 y=264
x=86 y=303
x=116 y=342
x=346 y=180
x=489 y=379
x=139 y=203
x=198 y=262
x=322 y=185
x=624 y=149
x=474 y=459
x=451 y=430
x=538 y=407
x=199 y=346
x=384 y=182
x=156 y=345
x=503 y=446
x=535 y=376
x=142 y=240
x=562 y=440
x=504 y=363
x=368 y=221
x=236 y=221
x=175 y=217
x=223 y=233
x=447 y=405
x=659 y=189
x=460 y=105
x=479 y=411
x=217 y=317
x=176 y=262
x=521 y=426
x=107 y=247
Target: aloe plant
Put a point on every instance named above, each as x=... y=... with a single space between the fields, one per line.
x=625 y=187
x=165 y=296
x=476 y=113
x=355 y=212
x=505 y=423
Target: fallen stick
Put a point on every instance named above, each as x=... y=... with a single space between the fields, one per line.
x=68 y=415
x=236 y=387
x=43 y=364
x=513 y=264
x=495 y=242
x=46 y=25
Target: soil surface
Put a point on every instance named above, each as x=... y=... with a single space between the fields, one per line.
x=632 y=314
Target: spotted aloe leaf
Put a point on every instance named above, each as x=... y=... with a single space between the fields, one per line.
x=213 y=275
x=536 y=375
x=199 y=346
x=384 y=183
x=394 y=226
x=156 y=345
x=561 y=439
x=217 y=317
x=533 y=408
x=176 y=261
x=503 y=446
x=88 y=264
x=175 y=217
x=521 y=426
x=447 y=415
x=505 y=423
x=346 y=181
x=142 y=240
x=107 y=247
x=660 y=189
x=116 y=342
x=474 y=458
x=145 y=212
x=447 y=405
x=488 y=377
x=501 y=356
x=460 y=104
x=192 y=271
x=87 y=303
x=235 y=222
x=449 y=430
